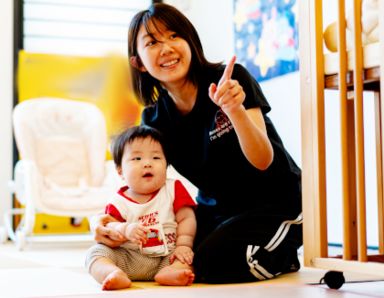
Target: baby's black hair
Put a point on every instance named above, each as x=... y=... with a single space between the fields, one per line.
x=134 y=133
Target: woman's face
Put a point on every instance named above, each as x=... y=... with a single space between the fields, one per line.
x=167 y=56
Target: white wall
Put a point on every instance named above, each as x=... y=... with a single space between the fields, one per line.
x=213 y=21
x=283 y=94
x=6 y=102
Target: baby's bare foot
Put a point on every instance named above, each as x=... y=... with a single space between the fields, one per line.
x=170 y=276
x=116 y=280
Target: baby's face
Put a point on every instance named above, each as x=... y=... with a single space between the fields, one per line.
x=143 y=166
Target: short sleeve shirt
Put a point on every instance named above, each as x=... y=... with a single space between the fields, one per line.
x=205 y=149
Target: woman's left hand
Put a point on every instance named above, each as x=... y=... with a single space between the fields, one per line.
x=227 y=94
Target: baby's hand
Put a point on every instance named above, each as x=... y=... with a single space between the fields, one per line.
x=136 y=233
x=182 y=253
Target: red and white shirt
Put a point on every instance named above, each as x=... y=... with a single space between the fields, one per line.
x=160 y=210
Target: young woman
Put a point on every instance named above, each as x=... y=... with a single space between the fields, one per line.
x=214 y=120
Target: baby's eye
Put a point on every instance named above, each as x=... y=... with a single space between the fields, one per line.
x=156 y=157
x=136 y=158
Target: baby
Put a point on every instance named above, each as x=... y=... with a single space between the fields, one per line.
x=154 y=214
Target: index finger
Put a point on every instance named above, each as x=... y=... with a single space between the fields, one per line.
x=228 y=70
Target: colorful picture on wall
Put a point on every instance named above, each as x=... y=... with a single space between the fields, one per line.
x=266 y=36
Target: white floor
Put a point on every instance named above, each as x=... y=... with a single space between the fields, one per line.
x=56 y=270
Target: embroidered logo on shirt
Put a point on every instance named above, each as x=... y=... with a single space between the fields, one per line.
x=222 y=126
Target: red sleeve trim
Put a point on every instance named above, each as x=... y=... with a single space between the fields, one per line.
x=112 y=210
x=182 y=197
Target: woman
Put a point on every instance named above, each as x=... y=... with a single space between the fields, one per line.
x=215 y=123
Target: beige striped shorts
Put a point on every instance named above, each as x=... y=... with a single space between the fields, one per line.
x=136 y=265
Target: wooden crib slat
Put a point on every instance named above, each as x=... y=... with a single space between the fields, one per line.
x=381 y=109
x=359 y=132
x=346 y=187
x=313 y=134
x=321 y=221
x=351 y=176
x=379 y=170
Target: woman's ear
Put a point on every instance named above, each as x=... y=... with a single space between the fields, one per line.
x=136 y=63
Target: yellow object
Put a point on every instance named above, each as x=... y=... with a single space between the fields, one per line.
x=104 y=81
x=330 y=37
x=60 y=224
x=369 y=27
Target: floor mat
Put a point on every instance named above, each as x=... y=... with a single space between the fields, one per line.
x=256 y=290
x=7 y=262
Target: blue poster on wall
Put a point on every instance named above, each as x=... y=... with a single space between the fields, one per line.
x=266 y=36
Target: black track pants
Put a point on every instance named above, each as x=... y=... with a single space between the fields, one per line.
x=246 y=248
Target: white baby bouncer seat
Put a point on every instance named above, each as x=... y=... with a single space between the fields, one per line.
x=62 y=169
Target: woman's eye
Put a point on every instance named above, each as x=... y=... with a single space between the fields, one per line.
x=151 y=43
x=174 y=35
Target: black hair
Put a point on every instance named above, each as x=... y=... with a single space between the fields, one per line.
x=131 y=134
x=146 y=87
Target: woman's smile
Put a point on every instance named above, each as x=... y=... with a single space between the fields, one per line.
x=170 y=63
